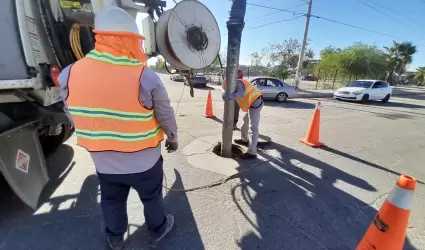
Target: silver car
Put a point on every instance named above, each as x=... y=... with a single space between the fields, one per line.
x=275 y=89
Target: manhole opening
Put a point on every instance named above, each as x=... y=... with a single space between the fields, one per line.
x=236 y=150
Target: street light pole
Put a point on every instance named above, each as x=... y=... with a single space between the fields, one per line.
x=301 y=57
x=235 y=26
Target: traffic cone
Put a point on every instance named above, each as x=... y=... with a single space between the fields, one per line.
x=209 y=108
x=312 y=137
x=388 y=229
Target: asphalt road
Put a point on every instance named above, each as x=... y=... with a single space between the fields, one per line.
x=303 y=198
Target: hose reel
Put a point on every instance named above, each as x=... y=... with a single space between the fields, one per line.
x=188 y=36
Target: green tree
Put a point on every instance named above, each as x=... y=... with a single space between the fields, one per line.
x=420 y=75
x=255 y=59
x=286 y=53
x=160 y=63
x=398 y=57
x=329 y=50
x=330 y=62
x=256 y=68
x=280 y=72
x=356 y=61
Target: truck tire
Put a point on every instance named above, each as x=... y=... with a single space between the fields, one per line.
x=51 y=143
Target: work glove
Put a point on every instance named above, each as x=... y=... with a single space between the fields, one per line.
x=225 y=96
x=171 y=145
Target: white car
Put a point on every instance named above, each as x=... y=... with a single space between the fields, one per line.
x=176 y=77
x=364 y=90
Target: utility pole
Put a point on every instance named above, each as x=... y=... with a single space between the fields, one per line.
x=235 y=25
x=301 y=57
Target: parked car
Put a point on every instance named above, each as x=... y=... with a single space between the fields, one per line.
x=176 y=77
x=309 y=78
x=275 y=89
x=199 y=80
x=364 y=90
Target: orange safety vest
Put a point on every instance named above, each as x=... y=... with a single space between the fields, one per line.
x=103 y=100
x=250 y=96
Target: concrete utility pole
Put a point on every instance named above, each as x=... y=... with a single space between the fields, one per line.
x=301 y=58
x=235 y=25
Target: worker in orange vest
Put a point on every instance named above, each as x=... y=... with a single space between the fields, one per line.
x=250 y=100
x=120 y=110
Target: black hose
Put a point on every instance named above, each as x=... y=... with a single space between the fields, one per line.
x=57 y=34
x=221 y=66
x=166 y=68
x=58 y=55
x=219 y=61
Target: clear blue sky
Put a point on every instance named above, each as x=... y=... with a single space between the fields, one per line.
x=323 y=33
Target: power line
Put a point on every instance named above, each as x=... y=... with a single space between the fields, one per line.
x=279 y=21
x=396 y=14
x=334 y=21
x=268 y=24
x=278 y=11
x=357 y=27
x=272 y=8
x=385 y=14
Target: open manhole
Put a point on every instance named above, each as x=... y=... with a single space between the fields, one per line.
x=236 y=150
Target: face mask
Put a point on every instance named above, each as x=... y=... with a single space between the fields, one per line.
x=121 y=44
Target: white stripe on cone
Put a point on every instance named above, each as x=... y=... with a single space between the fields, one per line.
x=318 y=105
x=401 y=198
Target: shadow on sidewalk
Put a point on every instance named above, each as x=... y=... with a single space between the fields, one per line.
x=354 y=158
x=381 y=106
x=297 y=204
x=75 y=221
x=185 y=234
x=290 y=104
x=396 y=115
x=396 y=105
x=63 y=164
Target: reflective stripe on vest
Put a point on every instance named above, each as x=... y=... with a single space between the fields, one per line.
x=250 y=96
x=108 y=58
x=104 y=105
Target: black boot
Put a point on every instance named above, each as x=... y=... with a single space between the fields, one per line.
x=115 y=244
x=241 y=142
x=248 y=156
x=169 y=224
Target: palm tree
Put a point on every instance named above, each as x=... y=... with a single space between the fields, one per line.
x=420 y=75
x=398 y=57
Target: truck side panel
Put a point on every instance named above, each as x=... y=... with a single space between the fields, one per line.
x=12 y=59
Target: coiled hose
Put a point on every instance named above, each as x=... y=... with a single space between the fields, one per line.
x=75 y=40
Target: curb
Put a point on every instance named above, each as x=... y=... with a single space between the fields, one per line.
x=311 y=94
x=307 y=94
x=407 y=93
x=215 y=87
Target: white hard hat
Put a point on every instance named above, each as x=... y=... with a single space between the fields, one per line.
x=115 y=19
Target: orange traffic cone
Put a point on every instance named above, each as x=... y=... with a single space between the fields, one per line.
x=209 y=108
x=312 y=137
x=388 y=229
